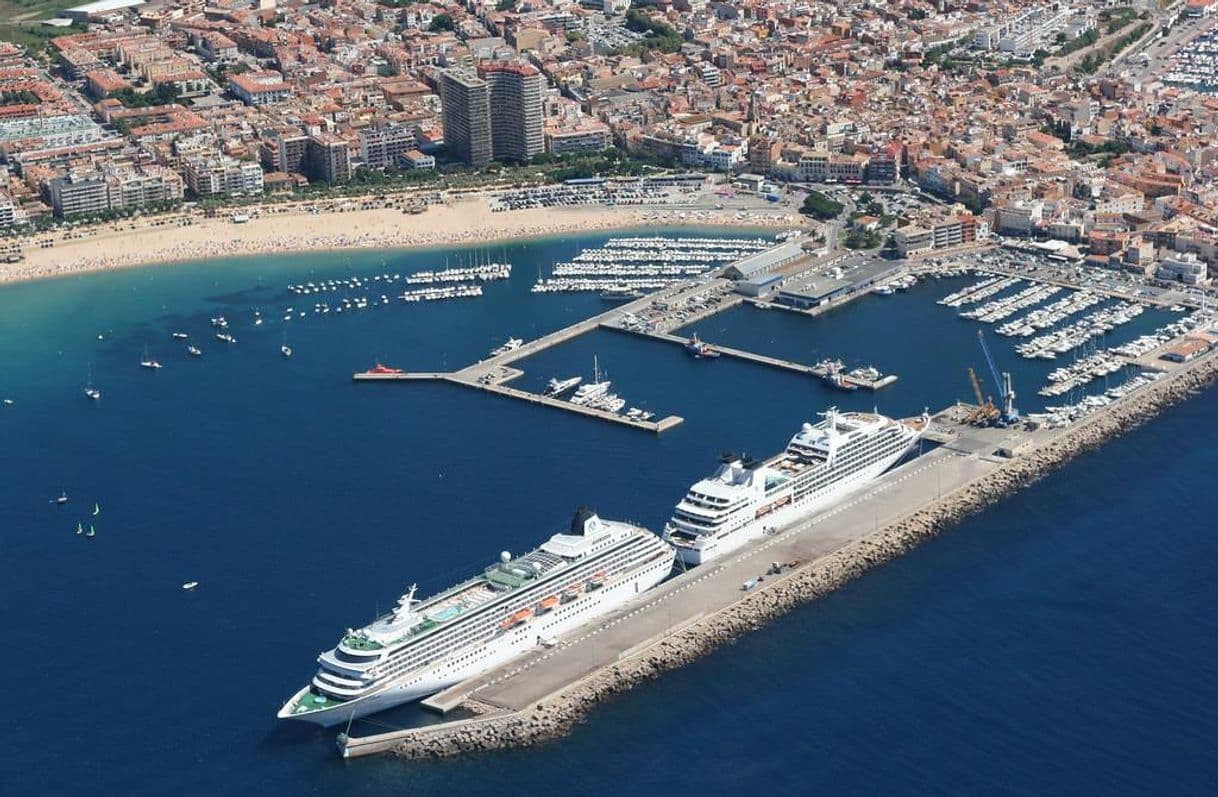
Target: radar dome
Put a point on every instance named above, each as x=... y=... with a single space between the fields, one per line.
x=505 y=557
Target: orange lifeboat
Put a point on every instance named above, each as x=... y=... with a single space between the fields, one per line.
x=547 y=604
x=598 y=580
x=572 y=592
x=517 y=618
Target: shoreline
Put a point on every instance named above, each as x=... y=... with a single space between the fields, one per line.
x=556 y=714
x=465 y=222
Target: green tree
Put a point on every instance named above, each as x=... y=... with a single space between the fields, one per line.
x=821 y=207
x=441 y=22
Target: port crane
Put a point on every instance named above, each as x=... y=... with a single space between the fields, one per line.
x=1006 y=388
x=986 y=412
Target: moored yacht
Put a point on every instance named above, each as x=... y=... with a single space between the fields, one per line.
x=556 y=387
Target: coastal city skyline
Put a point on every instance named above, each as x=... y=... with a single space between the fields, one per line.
x=817 y=390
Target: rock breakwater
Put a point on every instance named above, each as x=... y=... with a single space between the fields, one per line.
x=556 y=714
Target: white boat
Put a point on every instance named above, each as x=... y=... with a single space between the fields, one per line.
x=511 y=345
x=594 y=389
x=285 y=350
x=423 y=646
x=180 y=336
x=556 y=387
x=225 y=337
x=148 y=361
x=744 y=499
x=194 y=351
x=93 y=393
x=189 y=585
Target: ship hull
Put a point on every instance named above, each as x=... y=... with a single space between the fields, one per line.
x=561 y=620
x=793 y=513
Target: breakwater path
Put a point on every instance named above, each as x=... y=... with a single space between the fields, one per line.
x=542 y=694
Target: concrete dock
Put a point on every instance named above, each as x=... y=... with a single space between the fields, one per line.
x=758 y=359
x=493 y=374
x=701 y=592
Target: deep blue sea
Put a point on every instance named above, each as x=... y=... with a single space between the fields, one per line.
x=1062 y=642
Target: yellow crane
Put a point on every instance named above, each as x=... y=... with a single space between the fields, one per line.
x=986 y=411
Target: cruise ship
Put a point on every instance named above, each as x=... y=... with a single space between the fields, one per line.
x=424 y=646
x=823 y=462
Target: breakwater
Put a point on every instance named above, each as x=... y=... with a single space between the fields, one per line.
x=553 y=716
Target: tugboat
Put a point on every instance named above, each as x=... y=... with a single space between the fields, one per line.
x=383 y=369
x=700 y=350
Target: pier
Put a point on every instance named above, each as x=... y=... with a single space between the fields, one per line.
x=493 y=373
x=760 y=359
x=546 y=691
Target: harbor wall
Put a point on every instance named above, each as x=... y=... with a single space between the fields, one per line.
x=558 y=713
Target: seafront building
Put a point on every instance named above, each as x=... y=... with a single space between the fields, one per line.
x=1022 y=111
x=467 y=117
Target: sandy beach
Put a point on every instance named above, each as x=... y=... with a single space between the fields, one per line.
x=293 y=229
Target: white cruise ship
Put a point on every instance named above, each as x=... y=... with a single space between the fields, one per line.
x=822 y=463
x=425 y=646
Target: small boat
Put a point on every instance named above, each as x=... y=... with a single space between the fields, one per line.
x=597 y=581
x=517 y=618
x=96 y=510
x=383 y=369
x=556 y=387
x=194 y=351
x=60 y=499
x=90 y=532
x=80 y=529
x=149 y=362
x=699 y=349
x=226 y=337
x=7 y=402
x=189 y=585
x=547 y=604
x=620 y=293
x=257 y=318
x=180 y=336
x=511 y=345
x=838 y=381
x=93 y=393
x=285 y=350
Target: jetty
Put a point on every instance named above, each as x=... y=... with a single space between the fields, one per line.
x=697 y=299
x=545 y=692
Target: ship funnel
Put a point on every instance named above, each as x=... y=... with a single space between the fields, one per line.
x=583 y=522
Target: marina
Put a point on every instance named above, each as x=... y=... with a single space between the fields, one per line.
x=433 y=445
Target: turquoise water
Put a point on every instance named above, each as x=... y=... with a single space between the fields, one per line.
x=1060 y=642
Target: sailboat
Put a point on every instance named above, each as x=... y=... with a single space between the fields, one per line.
x=148 y=362
x=90 y=391
x=90 y=532
x=80 y=529
x=96 y=510
x=594 y=389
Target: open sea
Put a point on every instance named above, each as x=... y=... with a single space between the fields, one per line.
x=1064 y=641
